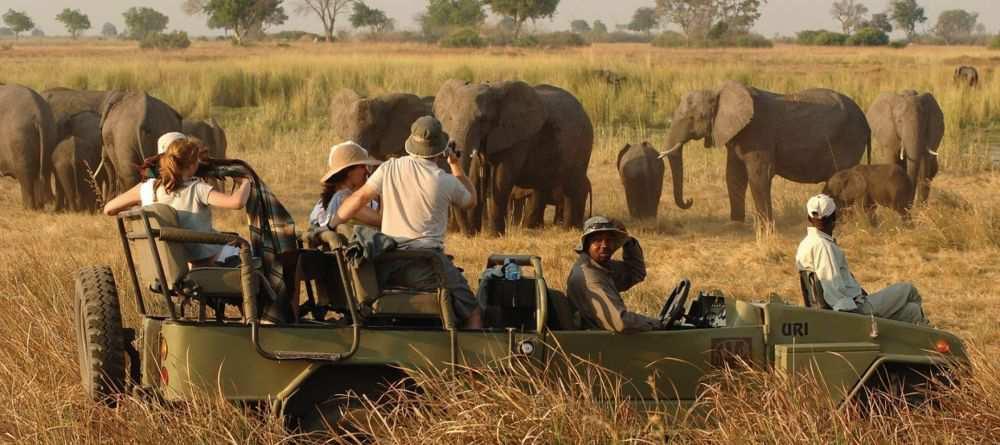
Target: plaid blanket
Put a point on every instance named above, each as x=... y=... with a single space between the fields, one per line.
x=272 y=229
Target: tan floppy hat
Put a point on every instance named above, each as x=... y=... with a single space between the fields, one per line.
x=346 y=154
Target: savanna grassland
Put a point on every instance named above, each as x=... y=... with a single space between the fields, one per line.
x=273 y=102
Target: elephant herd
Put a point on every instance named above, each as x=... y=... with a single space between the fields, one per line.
x=804 y=137
x=525 y=147
x=77 y=146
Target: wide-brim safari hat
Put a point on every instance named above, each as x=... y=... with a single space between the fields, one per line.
x=344 y=155
x=598 y=224
x=427 y=138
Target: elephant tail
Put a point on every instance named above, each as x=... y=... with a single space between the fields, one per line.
x=44 y=159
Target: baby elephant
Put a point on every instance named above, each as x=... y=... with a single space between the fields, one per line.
x=870 y=185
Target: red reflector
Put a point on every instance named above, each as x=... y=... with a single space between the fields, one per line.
x=164 y=376
x=942 y=346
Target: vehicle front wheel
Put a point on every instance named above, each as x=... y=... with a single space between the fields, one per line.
x=100 y=337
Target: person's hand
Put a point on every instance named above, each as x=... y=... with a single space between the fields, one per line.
x=452 y=156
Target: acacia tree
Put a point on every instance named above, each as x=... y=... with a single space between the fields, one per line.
x=140 y=22
x=445 y=15
x=522 y=10
x=372 y=18
x=326 y=10
x=849 y=13
x=109 y=30
x=644 y=20
x=243 y=17
x=75 y=21
x=579 y=26
x=697 y=17
x=907 y=14
x=955 y=25
x=879 y=21
x=18 y=22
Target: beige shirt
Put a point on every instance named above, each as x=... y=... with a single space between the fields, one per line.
x=819 y=253
x=596 y=291
x=416 y=195
x=190 y=200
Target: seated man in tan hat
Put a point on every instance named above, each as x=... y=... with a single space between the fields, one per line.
x=347 y=170
x=416 y=195
x=596 y=281
x=819 y=253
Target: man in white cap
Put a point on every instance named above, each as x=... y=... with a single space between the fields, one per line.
x=416 y=195
x=820 y=254
x=166 y=139
x=596 y=281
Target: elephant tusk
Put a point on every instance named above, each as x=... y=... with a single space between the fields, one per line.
x=902 y=153
x=664 y=154
x=932 y=152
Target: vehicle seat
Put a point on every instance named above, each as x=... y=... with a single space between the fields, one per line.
x=562 y=313
x=812 y=290
x=214 y=286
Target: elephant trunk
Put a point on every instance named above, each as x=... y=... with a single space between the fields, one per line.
x=674 y=154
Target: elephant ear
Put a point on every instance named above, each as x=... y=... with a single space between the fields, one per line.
x=446 y=104
x=735 y=111
x=220 y=138
x=935 y=121
x=621 y=154
x=520 y=114
x=112 y=99
x=880 y=118
x=340 y=106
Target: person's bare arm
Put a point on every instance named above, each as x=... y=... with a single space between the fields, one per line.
x=123 y=201
x=455 y=163
x=368 y=216
x=353 y=205
x=232 y=201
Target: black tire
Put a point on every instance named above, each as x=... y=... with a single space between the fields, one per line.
x=100 y=338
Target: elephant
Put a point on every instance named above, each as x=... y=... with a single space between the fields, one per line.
x=641 y=171
x=27 y=139
x=209 y=132
x=967 y=75
x=131 y=123
x=66 y=103
x=520 y=198
x=804 y=137
x=514 y=134
x=907 y=128
x=870 y=185
x=74 y=162
x=379 y=124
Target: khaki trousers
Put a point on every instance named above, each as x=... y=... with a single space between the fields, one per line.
x=900 y=302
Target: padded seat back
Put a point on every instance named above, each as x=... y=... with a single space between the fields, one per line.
x=172 y=256
x=511 y=303
x=812 y=290
x=562 y=313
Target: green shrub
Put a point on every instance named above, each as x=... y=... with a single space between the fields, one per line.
x=172 y=40
x=627 y=37
x=899 y=44
x=670 y=39
x=528 y=41
x=821 y=37
x=751 y=40
x=562 y=39
x=463 y=38
x=868 y=36
x=994 y=42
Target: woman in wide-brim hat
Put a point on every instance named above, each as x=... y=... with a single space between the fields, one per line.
x=347 y=170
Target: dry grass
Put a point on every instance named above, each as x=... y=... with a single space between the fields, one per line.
x=273 y=101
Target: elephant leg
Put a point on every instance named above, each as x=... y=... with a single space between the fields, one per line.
x=575 y=203
x=29 y=199
x=736 y=185
x=869 y=207
x=760 y=171
x=502 y=185
x=516 y=210
x=536 y=209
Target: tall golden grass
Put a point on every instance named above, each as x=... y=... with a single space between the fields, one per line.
x=273 y=102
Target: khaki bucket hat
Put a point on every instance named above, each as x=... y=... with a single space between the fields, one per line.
x=344 y=155
x=601 y=224
x=427 y=138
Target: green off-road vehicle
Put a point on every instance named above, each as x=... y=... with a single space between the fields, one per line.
x=353 y=336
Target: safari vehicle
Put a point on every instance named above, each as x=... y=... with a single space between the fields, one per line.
x=354 y=336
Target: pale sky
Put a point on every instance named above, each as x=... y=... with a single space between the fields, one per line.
x=778 y=16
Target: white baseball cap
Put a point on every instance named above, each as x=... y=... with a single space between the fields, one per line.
x=168 y=138
x=820 y=206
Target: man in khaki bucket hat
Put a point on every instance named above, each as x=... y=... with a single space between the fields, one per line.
x=416 y=195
